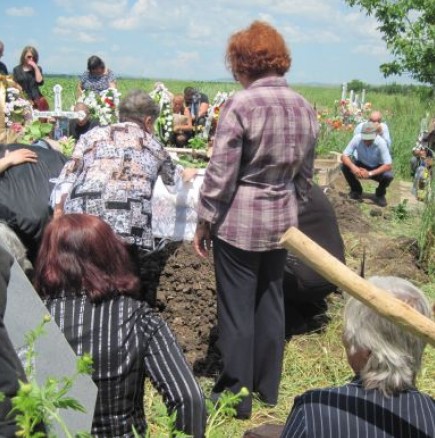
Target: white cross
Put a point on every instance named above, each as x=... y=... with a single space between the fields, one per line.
x=58 y=108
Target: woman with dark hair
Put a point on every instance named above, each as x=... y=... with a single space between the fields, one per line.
x=28 y=75
x=262 y=163
x=97 y=77
x=86 y=278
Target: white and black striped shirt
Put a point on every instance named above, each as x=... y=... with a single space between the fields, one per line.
x=128 y=342
x=351 y=411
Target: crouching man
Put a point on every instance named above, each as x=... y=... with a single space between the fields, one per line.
x=367 y=157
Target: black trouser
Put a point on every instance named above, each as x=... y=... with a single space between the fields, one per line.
x=384 y=179
x=250 y=321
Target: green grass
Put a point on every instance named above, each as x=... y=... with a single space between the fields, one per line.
x=402 y=113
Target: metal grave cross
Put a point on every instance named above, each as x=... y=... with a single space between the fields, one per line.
x=58 y=112
x=62 y=117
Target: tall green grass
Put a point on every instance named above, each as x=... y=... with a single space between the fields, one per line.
x=402 y=113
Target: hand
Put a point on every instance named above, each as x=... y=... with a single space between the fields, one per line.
x=21 y=156
x=202 y=239
x=358 y=172
x=364 y=173
x=31 y=63
x=189 y=173
x=57 y=212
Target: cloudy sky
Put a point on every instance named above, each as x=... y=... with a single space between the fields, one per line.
x=184 y=39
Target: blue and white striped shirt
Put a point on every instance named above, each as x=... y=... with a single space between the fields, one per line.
x=350 y=411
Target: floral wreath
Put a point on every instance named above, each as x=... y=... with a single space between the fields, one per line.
x=103 y=106
x=18 y=111
x=164 y=125
x=214 y=112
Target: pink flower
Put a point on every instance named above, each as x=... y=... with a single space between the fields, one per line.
x=16 y=127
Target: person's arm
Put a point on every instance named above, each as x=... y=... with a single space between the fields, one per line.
x=202 y=238
x=38 y=72
x=381 y=169
x=303 y=180
x=188 y=126
x=346 y=158
x=220 y=180
x=295 y=426
x=79 y=89
x=67 y=178
x=203 y=109
x=111 y=79
x=385 y=164
x=172 y=377
x=347 y=161
x=17 y=157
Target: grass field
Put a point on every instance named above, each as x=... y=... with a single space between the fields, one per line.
x=402 y=113
x=315 y=360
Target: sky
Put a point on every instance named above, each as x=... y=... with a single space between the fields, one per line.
x=330 y=42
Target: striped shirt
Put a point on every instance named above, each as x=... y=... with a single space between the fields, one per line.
x=352 y=411
x=128 y=342
x=263 y=157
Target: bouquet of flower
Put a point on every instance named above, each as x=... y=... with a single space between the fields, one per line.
x=345 y=116
x=18 y=111
x=214 y=112
x=102 y=106
x=164 y=126
x=350 y=112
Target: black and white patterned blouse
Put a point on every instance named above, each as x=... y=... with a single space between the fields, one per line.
x=112 y=173
x=128 y=343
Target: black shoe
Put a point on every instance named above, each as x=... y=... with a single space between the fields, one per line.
x=357 y=196
x=316 y=324
x=381 y=201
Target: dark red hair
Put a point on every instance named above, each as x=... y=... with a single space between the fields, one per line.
x=257 y=51
x=80 y=252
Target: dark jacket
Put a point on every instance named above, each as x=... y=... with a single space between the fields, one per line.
x=10 y=367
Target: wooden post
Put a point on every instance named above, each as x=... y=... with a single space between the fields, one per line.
x=377 y=299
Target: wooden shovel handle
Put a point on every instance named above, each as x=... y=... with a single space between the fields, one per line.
x=339 y=274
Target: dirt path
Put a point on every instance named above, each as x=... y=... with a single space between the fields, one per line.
x=184 y=286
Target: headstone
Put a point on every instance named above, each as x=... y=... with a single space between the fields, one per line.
x=55 y=358
x=344 y=91
x=363 y=97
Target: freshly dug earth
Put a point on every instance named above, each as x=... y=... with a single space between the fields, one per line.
x=181 y=286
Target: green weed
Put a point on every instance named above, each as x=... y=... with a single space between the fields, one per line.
x=35 y=404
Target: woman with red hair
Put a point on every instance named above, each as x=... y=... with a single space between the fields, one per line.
x=262 y=163
x=85 y=276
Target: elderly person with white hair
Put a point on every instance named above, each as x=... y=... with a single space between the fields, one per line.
x=382 y=400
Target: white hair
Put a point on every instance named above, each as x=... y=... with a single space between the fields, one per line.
x=396 y=354
x=15 y=247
